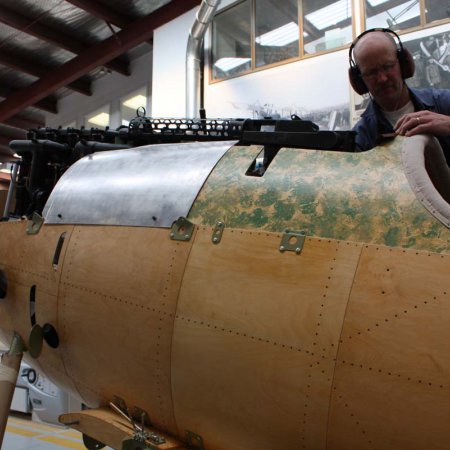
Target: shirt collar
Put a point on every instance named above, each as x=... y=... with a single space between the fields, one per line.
x=419 y=104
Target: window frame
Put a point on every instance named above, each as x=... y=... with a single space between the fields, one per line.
x=252 y=50
x=359 y=19
x=253 y=68
x=423 y=24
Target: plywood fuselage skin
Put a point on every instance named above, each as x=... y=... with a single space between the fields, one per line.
x=342 y=346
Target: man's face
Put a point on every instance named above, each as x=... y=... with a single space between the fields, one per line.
x=378 y=63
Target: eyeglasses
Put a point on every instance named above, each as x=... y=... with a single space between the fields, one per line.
x=384 y=68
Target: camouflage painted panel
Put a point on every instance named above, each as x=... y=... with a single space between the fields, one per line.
x=362 y=197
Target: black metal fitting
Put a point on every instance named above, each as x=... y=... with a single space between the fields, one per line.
x=3 y=284
x=50 y=335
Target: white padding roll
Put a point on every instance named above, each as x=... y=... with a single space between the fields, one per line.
x=8 y=374
x=428 y=174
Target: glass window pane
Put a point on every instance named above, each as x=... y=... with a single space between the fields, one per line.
x=231 y=50
x=130 y=104
x=98 y=118
x=436 y=10
x=393 y=14
x=277 y=32
x=326 y=24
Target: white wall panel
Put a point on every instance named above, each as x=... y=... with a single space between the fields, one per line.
x=169 y=75
x=302 y=87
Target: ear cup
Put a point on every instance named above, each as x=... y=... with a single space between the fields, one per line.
x=406 y=61
x=356 y=81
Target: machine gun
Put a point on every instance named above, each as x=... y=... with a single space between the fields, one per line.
x=295 y=133
x=47 y=152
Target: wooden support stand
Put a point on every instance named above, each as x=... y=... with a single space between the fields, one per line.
x=111 y=429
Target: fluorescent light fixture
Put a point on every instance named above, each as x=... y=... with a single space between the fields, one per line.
x=136 y=101
x=376 y=2
x=101 y=119
x=227 y=64
x=280 y=37
x=330 y=15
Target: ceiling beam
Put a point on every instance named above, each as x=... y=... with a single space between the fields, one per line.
x=27 y=66
x=46 y=104
x=102 y=12
x=126 y=39
x=55 y=37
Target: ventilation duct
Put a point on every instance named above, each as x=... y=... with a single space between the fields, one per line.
x=193 y=55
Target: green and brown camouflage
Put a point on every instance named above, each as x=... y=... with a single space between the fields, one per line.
x=360 y=197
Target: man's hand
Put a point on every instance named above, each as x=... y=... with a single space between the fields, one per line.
x=423 y=122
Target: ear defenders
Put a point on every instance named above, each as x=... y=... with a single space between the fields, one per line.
x=404 y=57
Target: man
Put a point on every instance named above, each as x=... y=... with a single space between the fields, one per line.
x=379 y=65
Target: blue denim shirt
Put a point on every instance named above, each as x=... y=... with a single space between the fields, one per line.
x=373 y=124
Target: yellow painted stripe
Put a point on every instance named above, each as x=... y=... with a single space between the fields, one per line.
x=41 y=426
x=17 y=421
x=71 y=433
x=63 y=442
x=34 y=425
x=21 y=431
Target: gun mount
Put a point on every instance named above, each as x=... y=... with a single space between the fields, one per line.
x=47 y=152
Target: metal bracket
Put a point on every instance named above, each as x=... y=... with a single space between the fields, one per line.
x=140 y=416
x=292 y=241
x=141 y=439
x=182 y=230
x=35 y=223
x=17 y=346
x=155 y=438
x=118 y=404
x=217 y=232
x=194 y=440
